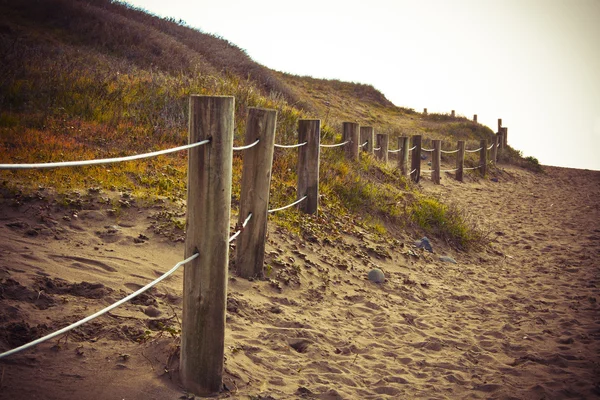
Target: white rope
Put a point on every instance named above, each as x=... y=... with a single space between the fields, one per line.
x=99 y=313
x=491 y=146
x=364 y=144
x=413 y=171
x=412 y=148
x=449 y=170
x=394 y=151
x=247 y=146
x=103 y=160
x=474 y=151
x=377 y=148
x=450 y=151
x=288 y=206
x=237 y=233
x=289 y=146
x=422 y=149
x=426 y=170
x=335 y=145
x=472 y=168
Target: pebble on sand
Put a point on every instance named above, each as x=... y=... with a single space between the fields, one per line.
x=424 y=244
x=376 y=275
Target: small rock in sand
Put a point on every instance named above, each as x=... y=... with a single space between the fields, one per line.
x=376 y=275
x=424 y=244
x=448 y=259
x=152 y=311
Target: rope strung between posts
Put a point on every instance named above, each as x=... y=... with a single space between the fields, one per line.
x=289 y=146
x=240 y=228
x=103 y=160
x=423 y=149
x=468 y=169
x=247 y=146
x=364 y=144
x=394 y=151
x=377 y=149
x=288 y=206
x=413 y=171
x=412 y=148
x=99 y=313
x=335 y=145
x=474 y=151
x=491 y=146
x=450 y=151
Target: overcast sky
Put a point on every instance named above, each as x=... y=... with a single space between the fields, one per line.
x=533 y=63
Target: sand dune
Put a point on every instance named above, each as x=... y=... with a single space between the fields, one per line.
x=518 y=319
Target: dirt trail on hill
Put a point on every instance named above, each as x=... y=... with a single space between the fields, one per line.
x=518 y=319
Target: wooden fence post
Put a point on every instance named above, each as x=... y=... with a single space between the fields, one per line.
x=460 y=160
x=255 y=187
x=367 y=134
x=309 y=131
x=475 y=118
x=500 y=136
x=424 y=111
x=403 y=156
x=350 y=133
x=436 y=161
x=505 y=136
x=483 y=157
x=415 y=167
x=207 y=233
x=453 y=114
x=383 y=145
x=499 y=124
x=494 y=154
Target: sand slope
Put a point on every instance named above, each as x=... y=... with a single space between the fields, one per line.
x=518 y=319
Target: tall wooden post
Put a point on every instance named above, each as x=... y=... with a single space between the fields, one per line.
x=415 y=167
x=436 y=160
x=453 y=114
x=403 y=156
x=475 y=118
x=504 y=136
x=499 y=124
x=494 y=153
x=500 y=136
x=367 y=134
x=351 y=133
x=309 y=131
x=207 y=233
x=383 y=145
x=460 y=160
x=255 y=188
x=483 y=157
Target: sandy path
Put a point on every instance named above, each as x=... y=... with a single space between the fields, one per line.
x=519 y=319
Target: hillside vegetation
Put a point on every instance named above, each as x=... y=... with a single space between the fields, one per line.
x=83 y=79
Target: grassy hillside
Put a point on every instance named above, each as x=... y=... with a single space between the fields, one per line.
x=82 y=79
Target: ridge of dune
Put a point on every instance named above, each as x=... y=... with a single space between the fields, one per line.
x=516 y=319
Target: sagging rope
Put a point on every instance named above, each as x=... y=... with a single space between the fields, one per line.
x=241 y=228
x=247 y=146
x=289 y=146
x=103 y=160
x=335 y=145
x=288 y=206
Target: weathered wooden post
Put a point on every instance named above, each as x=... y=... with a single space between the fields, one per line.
x=351 y=133
x=453 y=114
x=475 y=118
x=494 y=153
x=415 y=167
x=424 y=111
x=483 y=157
x=403 y=156
x=436 y=160
x=309 y=131
x=255 y=187
x=500 y=136
x=207 y=233
x=367 y=134
x=504 y=136
x=460 y=160
x=383 y=145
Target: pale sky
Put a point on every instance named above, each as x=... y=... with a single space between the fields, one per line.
x=533 y=63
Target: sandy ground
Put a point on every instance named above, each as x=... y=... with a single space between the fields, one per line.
x=518 y=319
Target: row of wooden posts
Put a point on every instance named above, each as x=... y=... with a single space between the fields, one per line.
x=209 y=208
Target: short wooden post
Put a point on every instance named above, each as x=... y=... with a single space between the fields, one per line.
x=403 y=156
x=436 y=161
x=255 y=188
x=351 y=134
x=460 y=160
x=500 y=136
x=207 y=233
x=309 y=131
x=494 y=153
x=424 y=111
x=499 y=124
x=453 y=114
x=367 y=134
x=504 y=136
x=483 y=157
x=415 y=167
x=475 y=118
x=383 y=145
